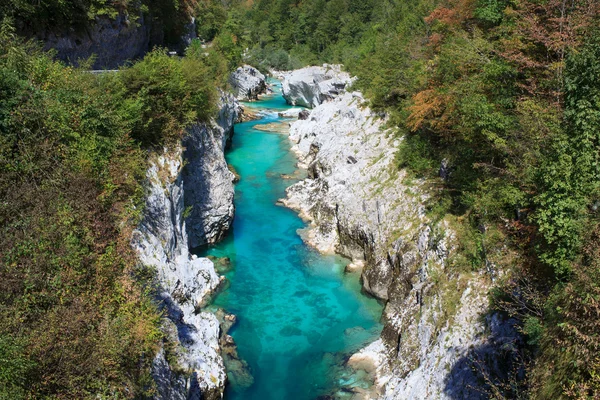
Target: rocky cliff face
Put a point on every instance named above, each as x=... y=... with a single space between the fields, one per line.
x=311 y=86
x=247 y=83
x=189 y=366
x=184 y=283
x=208 y=183
x=113 y=41
x=360 y=205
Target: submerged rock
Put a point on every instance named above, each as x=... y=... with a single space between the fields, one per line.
x=247 y=83
x=273 y=127
x=247 y=114
x=222 y=264
x=311 y=86
x=238 y=370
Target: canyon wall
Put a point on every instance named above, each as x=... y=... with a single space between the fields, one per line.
x=189 y=364
x=207 y=181
x=112 y=40
x=362 y=206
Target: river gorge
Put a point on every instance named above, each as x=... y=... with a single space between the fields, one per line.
x=299 y=315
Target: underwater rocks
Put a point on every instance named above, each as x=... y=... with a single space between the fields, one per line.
x=238 y=371
x=247 y=114
x=311 y=86
x=247 y=83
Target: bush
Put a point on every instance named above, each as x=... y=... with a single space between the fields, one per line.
x=168 y=94
x=74 y=321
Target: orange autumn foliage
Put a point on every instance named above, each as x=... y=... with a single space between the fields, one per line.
x=453 y=14
x=429 y=107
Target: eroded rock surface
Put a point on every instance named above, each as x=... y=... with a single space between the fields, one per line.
x=184 y=282
x=360 y=205
x=113 y=41
x=311 y=86
x=208 y=182
x=189 y=365
x=247 y=83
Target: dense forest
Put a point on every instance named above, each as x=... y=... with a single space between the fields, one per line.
x=504 y=93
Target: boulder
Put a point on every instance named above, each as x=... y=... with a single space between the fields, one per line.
x=247 y=83
x=311 y=86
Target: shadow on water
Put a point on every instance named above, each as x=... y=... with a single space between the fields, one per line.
x=296 y=309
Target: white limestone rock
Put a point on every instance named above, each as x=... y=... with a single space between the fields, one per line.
x=360 y=205
x=311 y=86
x=185 y=282
x=207 y=181
x=290 y=113
x=247 y=83
x=354 y=193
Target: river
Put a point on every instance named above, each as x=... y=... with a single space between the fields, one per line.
x=299 y=315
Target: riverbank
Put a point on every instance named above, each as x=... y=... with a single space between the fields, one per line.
x=361 y=205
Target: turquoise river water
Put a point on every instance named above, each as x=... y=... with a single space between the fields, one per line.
x=298 y=314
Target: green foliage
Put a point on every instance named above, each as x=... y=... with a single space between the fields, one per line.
x=570 y=176
x=211 y=15
x=568 y=364
x=533 y=329
x=74 y=320
x=490 y=11
x=167 y=94
x=14 y=367
x=226 y=43
x=416 y=154
x=271 y=57
x=61 y=15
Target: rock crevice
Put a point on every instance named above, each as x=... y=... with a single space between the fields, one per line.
x=189 y=365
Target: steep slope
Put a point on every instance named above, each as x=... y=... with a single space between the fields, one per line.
x=207 y=181
x=190 y=364
x=112 y=41
x=361 y=206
